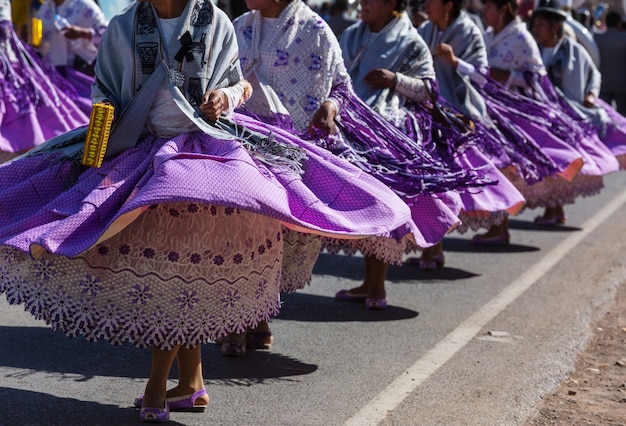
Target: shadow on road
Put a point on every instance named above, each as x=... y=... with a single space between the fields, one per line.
x=532 y=226
x=25 y=408
x=463 y=245
x=311 y=308
x=37 y=349
x=256 y=367
x=33 y=350
x=353 y=267
x=412 y=272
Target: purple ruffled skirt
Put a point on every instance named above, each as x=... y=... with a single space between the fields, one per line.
x=615 y=136
x=581 y=158
x=175 y=241
x=32 y=107
x=485 y=207
x=479 y=207
x=76 y=85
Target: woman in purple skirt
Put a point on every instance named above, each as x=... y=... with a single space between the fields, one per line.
x=32 y=106
x=461 y=62
x=177 y=239
x=72 y=30
x=294 y=61
x=515 y=62
x=573 y=83
x=392 y=69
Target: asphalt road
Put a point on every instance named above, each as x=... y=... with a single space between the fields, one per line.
x=476 y=343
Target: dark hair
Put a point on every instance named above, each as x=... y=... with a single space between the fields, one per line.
x=401 y=5
x=511 y=7
x=339 y=5
x=457 y=6
x=613 y=19
x=552 y=18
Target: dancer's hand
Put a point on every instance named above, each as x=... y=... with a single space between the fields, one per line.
x=499 y=75
x=324 y=119
x=446 y=52
x=214 y=103
x=590 y=100
x=74 y=32
x=380 y=78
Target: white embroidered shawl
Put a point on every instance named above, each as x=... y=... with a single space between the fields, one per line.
x=514 y=49
x=299 y=59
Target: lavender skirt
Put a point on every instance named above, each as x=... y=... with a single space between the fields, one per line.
x=434 y=215
x=76 y=85
x=489 y=206
x=480 y=207
x=175 y=241
x=581 y=158
x=615 y=136
x=32 y=107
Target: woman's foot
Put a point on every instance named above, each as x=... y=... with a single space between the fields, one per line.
x=154 y=414
x=154 y=408
x=432 y=258
x=357 y=294
x=199 y=396
x=182 y=398
x=259 y=337
x=552 y=216
x=372 y=291
x=496 y=235
x=234 y=344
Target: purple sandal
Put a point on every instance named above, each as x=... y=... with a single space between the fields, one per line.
x=185 y=403
x=155 y=415
x=346 y=296
x=374 y=304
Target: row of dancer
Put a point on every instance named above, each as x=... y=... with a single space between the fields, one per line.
x=180 y=237
x=46 y=88
x=525 y=134
x=499 y=79
x=186 y=235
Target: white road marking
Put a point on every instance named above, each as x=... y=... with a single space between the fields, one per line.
x=397 y=391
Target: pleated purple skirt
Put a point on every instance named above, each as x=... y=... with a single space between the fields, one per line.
x=175 y=241
x=32 y=107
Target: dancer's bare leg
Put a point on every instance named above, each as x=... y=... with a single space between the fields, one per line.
x=190 y=374
x=559 y=211
x=550 y=213
x=364 y=287
x=377 y=275
x=552 y=216
x=497 y=230
x=154 y=395
x=432 y=252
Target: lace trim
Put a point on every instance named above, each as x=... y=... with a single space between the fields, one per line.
x=212 y=272
x=299 y=256
x=479 y=219
x=386 y=249
x=553 y=192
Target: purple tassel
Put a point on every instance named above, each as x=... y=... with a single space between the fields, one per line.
x=503 y=142
x=385 y=152
x=531 y=163
x=577 y=127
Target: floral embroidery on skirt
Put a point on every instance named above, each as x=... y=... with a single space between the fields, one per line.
x=182 y=273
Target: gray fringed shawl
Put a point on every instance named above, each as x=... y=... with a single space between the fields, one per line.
x=468 y=44
x=572 y=70
x=398 y=48
x=211 y=62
